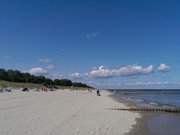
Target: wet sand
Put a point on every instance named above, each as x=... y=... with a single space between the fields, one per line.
x=153 y=123
x=141 y=127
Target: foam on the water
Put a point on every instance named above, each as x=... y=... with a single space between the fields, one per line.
x=151 y=97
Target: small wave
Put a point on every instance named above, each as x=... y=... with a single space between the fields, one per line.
x=139 y=100
x=154 y=103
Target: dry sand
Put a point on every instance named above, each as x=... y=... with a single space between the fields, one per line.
x=62 y=113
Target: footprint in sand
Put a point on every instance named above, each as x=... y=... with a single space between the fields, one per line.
x=92 y=132
x=77 y=132
x=106 y=131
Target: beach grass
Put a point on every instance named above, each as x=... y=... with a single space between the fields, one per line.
x=6 y=84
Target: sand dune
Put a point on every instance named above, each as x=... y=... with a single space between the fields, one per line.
x=62 y=113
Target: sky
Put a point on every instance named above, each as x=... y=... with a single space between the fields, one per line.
x=105 y=43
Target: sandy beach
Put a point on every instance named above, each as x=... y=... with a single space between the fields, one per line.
x=63 y=113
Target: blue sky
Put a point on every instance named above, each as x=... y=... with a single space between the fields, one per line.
x=59 y=38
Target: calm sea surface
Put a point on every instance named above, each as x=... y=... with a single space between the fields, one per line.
x=151 y=97
x=162 y=124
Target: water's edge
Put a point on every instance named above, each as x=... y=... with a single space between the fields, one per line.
x=141 y=126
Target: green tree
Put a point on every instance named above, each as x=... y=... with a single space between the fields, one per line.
x=63 y=82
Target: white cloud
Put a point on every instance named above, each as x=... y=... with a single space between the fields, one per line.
x=78 y=76
x=45 y=60
x=152 y=83
x=56 y=76
x=132 y=70
x=38 y=71
x=92 y=35
x=50 y=66
x=7 y=57
x=163 y=68
x=100 y=72
x=75 y=75
x=128 y=70
x=123 y=71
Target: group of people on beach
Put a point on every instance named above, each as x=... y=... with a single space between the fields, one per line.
x=42 y=89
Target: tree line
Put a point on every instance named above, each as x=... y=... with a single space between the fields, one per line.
x=17 y=76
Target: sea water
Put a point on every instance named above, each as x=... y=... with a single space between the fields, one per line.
x=149 y=97
x=160 y=124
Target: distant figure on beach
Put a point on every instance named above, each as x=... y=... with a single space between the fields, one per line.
x=25 y=90
x=44 y=89
x=8 y=90
x=98 y=93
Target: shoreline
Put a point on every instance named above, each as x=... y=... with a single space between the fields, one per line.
x=156 y=123
x=140 y=128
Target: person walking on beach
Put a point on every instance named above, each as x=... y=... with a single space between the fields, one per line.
x=98 y=92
